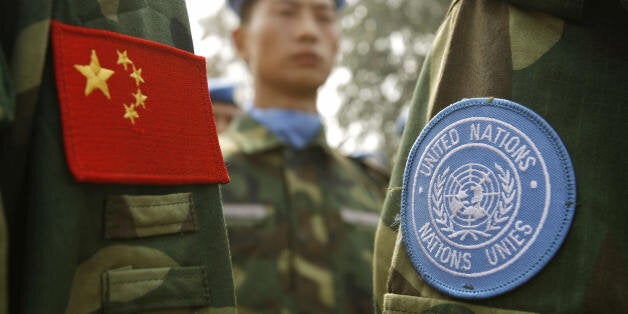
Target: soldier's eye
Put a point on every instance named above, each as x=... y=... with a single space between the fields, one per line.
x=325 y=17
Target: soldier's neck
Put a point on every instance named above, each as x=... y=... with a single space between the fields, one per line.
x=266 y=98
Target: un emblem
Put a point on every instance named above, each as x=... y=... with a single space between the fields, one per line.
x=488 y=197
x=472 y=201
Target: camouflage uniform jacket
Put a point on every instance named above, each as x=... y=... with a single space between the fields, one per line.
x=568 y=62
x=301 y=224
x=81 y=247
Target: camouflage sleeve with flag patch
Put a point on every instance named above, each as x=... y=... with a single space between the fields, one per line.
x=567 y=61
x=110 y=182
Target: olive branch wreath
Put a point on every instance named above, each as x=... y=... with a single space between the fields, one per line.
x=505 y=204
x=438 y=206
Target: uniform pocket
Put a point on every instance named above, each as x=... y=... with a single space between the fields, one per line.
x=246 y=214
x=405 y=304
x=252 y=229
x=127 y=290
x=359 y=218
x=130 y=216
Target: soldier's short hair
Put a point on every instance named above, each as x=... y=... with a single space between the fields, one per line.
x=245 y=13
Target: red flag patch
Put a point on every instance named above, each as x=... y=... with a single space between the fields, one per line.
x=134 y=111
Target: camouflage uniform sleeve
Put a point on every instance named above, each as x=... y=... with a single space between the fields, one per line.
x=3 y=260
x=568 y=9
x=7 y=101
x=83 y=247
x=493 y=48
x=6 y=116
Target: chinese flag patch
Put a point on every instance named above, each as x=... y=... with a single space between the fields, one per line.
x=134 y=111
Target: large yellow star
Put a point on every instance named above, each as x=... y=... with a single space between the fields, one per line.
x=123 y=59
x=96 y=75
x=140 y=99
x=130 y=113
x=137 y=75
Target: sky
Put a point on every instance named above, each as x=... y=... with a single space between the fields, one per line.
x=329 y=100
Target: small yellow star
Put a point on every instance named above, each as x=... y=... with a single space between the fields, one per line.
x=140 y=99
x=123 y=59
x=96 y=75
x=137 y=75
x=130 y=113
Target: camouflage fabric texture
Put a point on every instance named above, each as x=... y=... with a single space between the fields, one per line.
x=96 y=248
x=301 y=224
x=567 y=61
x=3 y=261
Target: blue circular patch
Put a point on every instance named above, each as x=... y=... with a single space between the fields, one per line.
x=488 y=197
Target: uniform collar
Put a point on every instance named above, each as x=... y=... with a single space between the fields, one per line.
x=252 y=137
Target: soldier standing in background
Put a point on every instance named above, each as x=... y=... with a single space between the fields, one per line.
x=565 y=61
x=300 y=216
x=109 y=162
x=226 y=108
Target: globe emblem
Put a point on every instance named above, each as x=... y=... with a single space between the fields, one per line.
x=471 y=194
x=473 y=204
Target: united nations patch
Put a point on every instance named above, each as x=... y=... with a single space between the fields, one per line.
x=488 y=197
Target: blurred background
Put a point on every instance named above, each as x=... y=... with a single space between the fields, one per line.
x=383 y=44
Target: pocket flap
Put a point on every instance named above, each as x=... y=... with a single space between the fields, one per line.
x=396 y=304
x=128 y=290
x=131 y=216
x=359 y=217
x=244 y=214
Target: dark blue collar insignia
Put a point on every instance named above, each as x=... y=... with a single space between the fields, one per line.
x=488 y=197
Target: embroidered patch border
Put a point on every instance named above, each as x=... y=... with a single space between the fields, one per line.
x=488 y=197
x=134 y=111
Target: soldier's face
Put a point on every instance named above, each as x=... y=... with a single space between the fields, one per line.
x=290 y=42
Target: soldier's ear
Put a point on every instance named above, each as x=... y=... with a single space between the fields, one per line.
x=238 y=37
